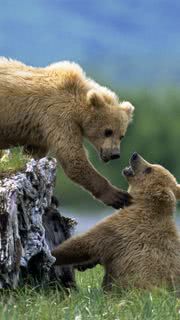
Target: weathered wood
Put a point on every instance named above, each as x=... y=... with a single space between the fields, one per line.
x=30 y=225
x=57 y=230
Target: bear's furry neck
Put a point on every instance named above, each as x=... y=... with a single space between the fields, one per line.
x=156 y=205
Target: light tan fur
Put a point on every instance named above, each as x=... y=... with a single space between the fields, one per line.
x=53 y=109
x=140 y=245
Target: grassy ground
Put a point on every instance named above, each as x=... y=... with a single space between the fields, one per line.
x=87 y=303
x=14 y=162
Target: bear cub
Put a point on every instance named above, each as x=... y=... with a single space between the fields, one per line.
x=138 y=246
x=54 y=109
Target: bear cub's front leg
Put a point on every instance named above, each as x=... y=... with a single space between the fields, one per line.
x=78 y=168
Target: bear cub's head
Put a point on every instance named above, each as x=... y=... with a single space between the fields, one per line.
x=106 y=122
x=152 y=183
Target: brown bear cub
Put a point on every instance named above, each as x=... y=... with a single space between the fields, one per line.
x=54 y=109
x=138 y=246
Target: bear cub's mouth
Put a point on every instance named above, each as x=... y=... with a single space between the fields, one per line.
x=128 y=172
x=133 y=163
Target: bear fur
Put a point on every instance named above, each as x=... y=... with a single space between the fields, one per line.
x=140 y=245
x=54 y=109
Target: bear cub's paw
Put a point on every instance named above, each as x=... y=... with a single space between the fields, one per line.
x=116 y=198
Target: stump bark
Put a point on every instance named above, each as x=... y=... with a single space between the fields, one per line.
x=30 y=226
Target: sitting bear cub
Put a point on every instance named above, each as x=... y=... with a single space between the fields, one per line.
x=54 y=109
x=140 y=245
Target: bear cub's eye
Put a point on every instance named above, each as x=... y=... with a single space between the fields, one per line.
x=148 y=170
x=108 y=133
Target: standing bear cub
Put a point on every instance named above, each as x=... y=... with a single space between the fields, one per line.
x=54 y=109
x=139 y=246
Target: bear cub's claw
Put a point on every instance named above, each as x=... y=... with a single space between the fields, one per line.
x=116 y=198
x=124 y=199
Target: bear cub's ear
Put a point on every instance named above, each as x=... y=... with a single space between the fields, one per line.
x=128 y=108
x=94 y=99
x=178 y=192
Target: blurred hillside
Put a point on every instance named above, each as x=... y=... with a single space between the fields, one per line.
x=127 y=43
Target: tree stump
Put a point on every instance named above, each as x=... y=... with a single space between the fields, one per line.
x=30 y=226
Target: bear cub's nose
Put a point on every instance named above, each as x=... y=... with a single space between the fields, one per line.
x=115 y=155
x=134 y=156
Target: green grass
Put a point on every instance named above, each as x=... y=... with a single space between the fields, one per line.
x=16 y=162
x=89 y=302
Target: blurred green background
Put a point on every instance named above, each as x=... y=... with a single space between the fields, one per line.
x=130 y=46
